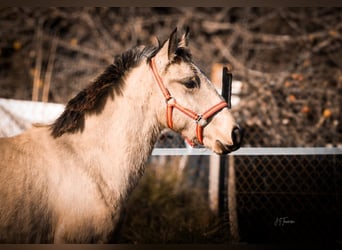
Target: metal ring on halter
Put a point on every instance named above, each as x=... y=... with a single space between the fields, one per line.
x=201 y=121
x=168 y=100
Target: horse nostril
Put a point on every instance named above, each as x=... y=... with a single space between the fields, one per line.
x=237 y=135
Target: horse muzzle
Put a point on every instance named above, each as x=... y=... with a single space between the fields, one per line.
x=237 y=136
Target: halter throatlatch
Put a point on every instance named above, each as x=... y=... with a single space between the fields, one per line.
x=171 y=103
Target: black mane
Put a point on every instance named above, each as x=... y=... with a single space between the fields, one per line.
x=110 y=83
x=93 y=97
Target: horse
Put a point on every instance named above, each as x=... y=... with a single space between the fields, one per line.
x=66 y=182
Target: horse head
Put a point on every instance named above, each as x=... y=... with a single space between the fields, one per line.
x=190 y=104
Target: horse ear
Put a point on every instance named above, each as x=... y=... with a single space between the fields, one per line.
x=184 y=40
x=168 y=50
x=173 y=45
x=157 y=42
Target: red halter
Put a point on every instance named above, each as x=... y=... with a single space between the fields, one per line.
x=200 y=119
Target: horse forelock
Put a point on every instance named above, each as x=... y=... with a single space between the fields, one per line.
x=93 y=98
x=184 y=53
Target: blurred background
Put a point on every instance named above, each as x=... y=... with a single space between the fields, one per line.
x=288 y=66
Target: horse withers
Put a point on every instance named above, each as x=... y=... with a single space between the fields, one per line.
x=67 y=182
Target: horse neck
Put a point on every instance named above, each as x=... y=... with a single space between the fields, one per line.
x=116 y=143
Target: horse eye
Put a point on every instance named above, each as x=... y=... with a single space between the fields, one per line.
x=190 y=84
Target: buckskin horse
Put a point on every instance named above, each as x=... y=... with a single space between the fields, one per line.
x=66 y=182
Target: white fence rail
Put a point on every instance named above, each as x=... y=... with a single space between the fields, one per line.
x=251 y=151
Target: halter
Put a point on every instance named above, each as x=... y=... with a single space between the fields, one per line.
x=171 y=103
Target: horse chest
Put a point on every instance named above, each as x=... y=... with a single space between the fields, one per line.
x=82 y=215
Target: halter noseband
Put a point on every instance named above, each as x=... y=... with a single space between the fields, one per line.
x=200 y=119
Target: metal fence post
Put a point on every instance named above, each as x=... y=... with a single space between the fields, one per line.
x=223 y=173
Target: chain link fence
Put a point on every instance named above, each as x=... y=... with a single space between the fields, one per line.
x=289 y=198
x=294 y=198
x=274 y=198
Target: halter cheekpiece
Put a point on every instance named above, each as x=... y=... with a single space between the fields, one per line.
x=171 y=103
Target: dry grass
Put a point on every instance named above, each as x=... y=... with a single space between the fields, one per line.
x=163 y=209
